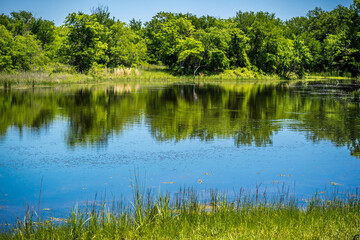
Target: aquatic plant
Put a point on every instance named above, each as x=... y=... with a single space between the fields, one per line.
x=189 y=214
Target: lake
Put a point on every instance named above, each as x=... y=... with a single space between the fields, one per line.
x=75 y=142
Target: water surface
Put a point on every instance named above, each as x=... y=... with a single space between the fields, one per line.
x=89 y=139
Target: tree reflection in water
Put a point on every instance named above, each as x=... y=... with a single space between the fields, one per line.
x=249 y=113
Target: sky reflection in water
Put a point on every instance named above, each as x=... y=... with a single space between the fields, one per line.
x=89 y=140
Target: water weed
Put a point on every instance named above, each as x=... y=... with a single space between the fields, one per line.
x=189 y=214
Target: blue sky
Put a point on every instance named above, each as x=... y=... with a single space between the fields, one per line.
x=144 y=10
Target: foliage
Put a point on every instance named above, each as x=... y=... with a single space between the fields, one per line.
x=19 y=53
x=102 y=15
x=187 y=44
x=125 y=46
x=44 y=31
x=84 y=46
x=190 y=215
x=6 y=42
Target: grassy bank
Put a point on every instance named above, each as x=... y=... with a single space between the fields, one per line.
x=152 y=73
x=186 y=215
x=64 y=75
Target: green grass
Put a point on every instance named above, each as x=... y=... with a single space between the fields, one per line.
x=62 y=74
x=186 y=215
x=329 y=75
x=51 y=78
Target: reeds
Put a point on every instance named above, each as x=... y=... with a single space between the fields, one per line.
x=189 y=214
x=119 y=72
x=63 y=74
x=127 y=71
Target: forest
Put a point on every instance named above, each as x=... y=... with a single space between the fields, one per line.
x=247 y=44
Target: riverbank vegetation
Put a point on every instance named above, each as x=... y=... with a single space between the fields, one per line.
x=248 y=45
x=148 y=73
x=187 y=215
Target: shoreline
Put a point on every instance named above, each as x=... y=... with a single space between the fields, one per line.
x=153 y=74
x=187 y=215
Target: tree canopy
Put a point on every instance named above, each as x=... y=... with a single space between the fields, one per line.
x=321 y=41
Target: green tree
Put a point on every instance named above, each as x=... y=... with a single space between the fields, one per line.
x=125 y=46
x=215 y=41
x=265 y=33
x=296 y=27
x=7 y=22
x=85 y=44
x=102 y=15
x=190 y=55
x=172 y=32
x=238 y=48
x=135 y=25
x=26 y=52
x=44 y=31
x=354 y=37
x=151 y=31
x=22 y=22
x=301 y=57
x=284 y=57
x=6 y=44
x=337 y=52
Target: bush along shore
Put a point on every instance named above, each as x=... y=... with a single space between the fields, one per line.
x=209 y=215
x=141 y=74
x=247 y=44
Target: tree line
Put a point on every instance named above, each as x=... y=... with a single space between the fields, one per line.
x=321 y=41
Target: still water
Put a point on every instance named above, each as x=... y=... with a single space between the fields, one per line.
x=75 y=142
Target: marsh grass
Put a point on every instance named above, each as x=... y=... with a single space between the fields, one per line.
x=330 y=75
x=7 y=80
x=56 y=75
x=189 y=214
x=49 y=77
